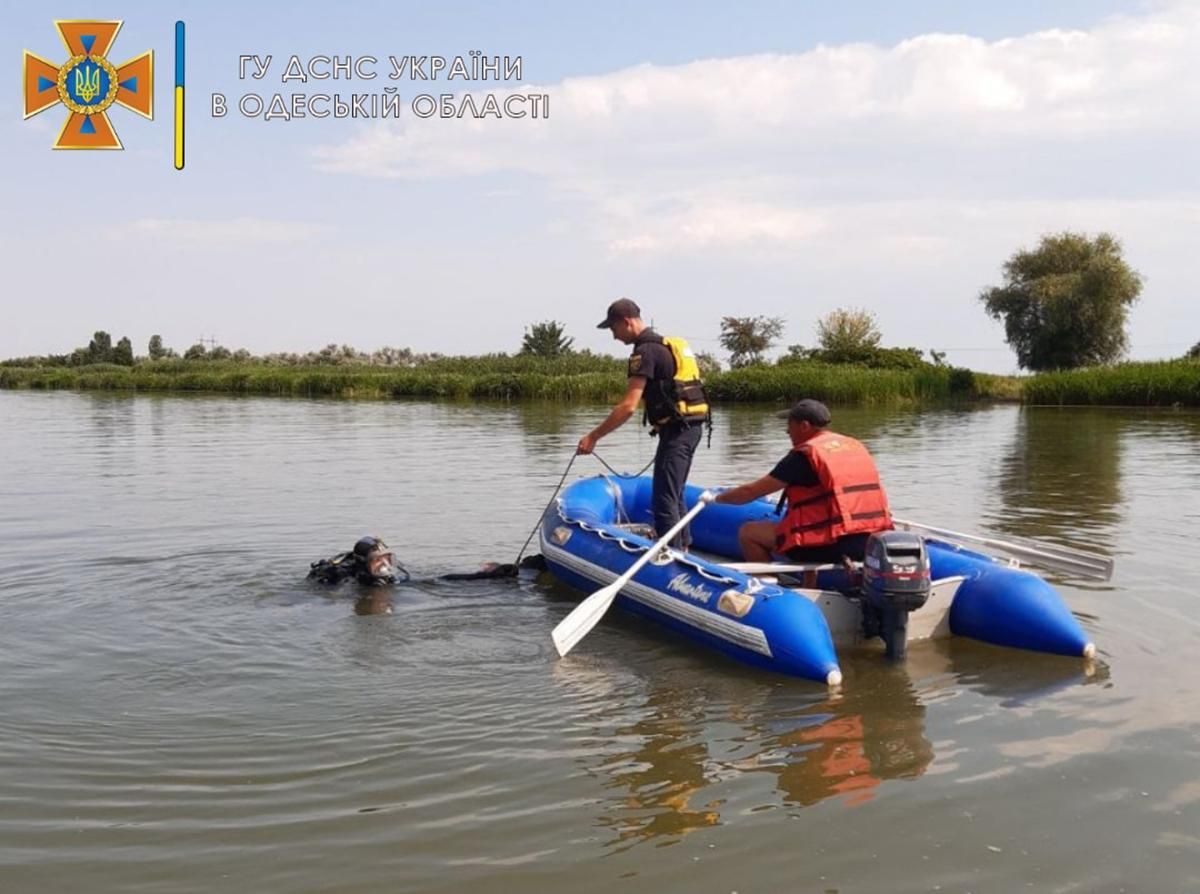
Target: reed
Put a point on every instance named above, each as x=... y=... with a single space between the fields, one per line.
x=1161 y=384
x=505 y=380
x=847 y=384
x=584 y=379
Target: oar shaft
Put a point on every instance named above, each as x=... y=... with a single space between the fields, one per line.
x=774 y=567
x=1063 y=558
x=653 y=550
x=575 y=626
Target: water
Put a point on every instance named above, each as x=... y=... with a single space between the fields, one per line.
x=182 y=711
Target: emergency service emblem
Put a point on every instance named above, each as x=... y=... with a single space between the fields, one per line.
x=88 y=85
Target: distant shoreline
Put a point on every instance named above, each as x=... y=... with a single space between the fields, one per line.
x=1166 y=383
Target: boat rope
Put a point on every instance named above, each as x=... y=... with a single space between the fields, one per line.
x=550 y=502
x=554 y=496
x=622 y=539
x=617 y=474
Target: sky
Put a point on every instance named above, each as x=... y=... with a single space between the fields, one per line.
x=782 y=159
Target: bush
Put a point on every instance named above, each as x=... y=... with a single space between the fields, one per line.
x=845 y=335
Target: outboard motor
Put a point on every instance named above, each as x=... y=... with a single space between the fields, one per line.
x=896 y=581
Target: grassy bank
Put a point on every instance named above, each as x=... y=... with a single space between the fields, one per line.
x=516 y=378
x=322 y=381
x=1163 y=384
x=602 y=379
x=844 y=384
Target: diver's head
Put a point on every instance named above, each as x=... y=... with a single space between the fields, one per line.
x=376 y=560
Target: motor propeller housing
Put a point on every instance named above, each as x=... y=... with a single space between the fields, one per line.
x=896 y=581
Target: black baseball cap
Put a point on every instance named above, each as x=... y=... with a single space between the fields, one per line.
x=622 y=308
x=807 y=410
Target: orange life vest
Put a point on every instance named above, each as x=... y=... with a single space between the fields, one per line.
x=849 y=498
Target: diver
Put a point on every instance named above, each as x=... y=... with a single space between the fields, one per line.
x=372 y=563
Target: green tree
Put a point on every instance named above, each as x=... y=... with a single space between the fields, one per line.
x=798 y=354
x=1064 y=304
x=195 y=352
x=155 y=348
x=123 y=352
x=748 y=338
x=846 y=336
x=1193 y=352
x=708 y=363
x=547 y=339
x=100 y=348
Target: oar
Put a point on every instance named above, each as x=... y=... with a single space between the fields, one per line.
x=583 y=617
x=1060 y=558
x=774 y=567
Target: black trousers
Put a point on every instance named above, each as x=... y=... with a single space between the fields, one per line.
x=672 y=461
x=852 y=546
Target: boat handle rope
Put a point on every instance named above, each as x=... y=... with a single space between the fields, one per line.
x=632 y=547
x=627 y=545
x=554 y=496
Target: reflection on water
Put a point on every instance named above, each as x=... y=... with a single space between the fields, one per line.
x=745 y=430
x=193 y=715
x=377 y=601
x=1060 y=477
x=670 y=765
x=552 y=419
x=873 y=731
x=664 y=773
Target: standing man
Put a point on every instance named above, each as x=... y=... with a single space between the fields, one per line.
x=832 y=491
x=663 y=373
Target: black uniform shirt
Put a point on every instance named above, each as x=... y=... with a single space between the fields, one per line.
x=795 y=468
x=651 y=359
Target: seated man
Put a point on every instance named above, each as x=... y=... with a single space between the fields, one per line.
x=833 y=496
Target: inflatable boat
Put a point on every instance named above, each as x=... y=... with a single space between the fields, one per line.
x=760 y=614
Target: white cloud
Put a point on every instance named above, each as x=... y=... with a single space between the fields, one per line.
x=714 y=223
x=774 y=151
x=894 y=178
x=235 y=232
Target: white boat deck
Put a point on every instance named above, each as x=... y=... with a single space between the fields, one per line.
x=843 y=614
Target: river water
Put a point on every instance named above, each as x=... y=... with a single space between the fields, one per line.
x=181 y=711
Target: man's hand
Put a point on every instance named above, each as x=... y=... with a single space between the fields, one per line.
x=586 y=444
x=616 y=417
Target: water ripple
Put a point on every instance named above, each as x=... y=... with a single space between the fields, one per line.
x=184 y=712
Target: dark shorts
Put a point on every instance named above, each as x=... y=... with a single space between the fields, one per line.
x=852 y=546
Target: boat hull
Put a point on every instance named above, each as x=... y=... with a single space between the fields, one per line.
x=587 y=541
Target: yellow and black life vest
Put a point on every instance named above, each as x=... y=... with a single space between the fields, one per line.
x=681 y=397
